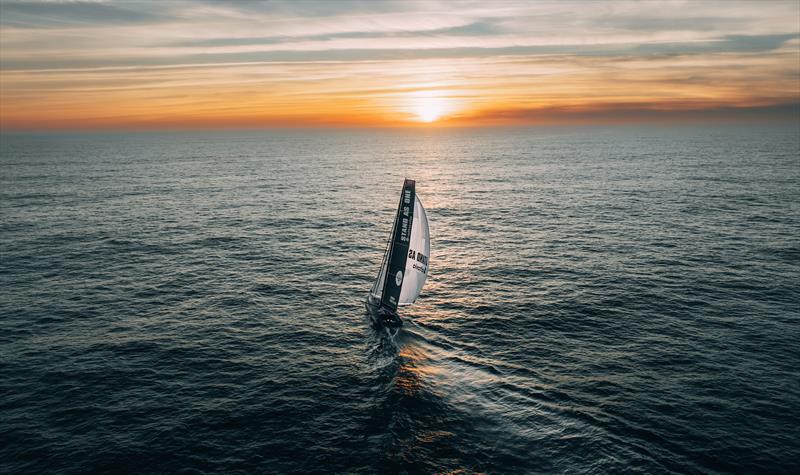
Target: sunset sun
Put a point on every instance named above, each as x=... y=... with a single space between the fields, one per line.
x=429 y=106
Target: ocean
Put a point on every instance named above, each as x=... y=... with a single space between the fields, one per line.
x=599 y=300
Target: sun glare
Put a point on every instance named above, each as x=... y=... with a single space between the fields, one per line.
x=429 y=106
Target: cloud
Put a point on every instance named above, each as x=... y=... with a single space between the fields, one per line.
x=317 y=8
x=668 y=111
x=264 y=62
x=72 y=14
x=672 y=23
x=388 y=46
x=724 y=44
x=477 y=28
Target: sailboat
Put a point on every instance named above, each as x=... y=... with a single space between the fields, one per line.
x=405 y=262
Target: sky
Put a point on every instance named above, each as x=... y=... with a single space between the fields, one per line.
x=216 y=64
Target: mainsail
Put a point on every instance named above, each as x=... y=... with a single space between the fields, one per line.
x=418 y=251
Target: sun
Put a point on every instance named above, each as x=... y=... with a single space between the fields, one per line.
x=429 y=106
x=430 y=109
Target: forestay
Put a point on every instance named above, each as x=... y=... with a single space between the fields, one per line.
x=377 y=287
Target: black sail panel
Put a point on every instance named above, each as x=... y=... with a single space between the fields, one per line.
x=399 y=248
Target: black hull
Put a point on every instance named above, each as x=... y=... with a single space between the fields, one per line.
x=382 y=315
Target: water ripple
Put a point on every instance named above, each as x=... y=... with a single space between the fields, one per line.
x=600 y=300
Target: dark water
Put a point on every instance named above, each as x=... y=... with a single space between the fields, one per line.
x=600 y=300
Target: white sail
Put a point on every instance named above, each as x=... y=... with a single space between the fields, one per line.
x=418 y=252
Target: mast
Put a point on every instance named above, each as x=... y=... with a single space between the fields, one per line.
x=398 y=253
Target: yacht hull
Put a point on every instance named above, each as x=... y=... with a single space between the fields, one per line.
x=382 y=315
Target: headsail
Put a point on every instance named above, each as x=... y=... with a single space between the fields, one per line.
x=417 y=262
x=398 y=249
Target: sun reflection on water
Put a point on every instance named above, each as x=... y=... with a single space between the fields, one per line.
x=413 y=370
